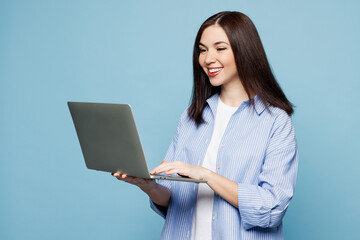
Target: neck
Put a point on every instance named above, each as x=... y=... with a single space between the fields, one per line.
x=233 y=96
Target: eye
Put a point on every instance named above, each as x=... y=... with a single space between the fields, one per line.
x=202 y=50
x=221 y=49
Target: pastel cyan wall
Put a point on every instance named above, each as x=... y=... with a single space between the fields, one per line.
x=139 y=52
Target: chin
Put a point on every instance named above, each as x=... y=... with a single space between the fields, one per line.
x=215 y=83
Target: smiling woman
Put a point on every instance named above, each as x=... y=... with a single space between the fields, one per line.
x=239 y=36
x=217 y=58
x=237 y=135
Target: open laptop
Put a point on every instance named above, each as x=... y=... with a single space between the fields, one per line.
x=110 y=141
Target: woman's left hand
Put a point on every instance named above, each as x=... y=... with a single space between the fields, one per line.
x=183 y=169
x=223 y=186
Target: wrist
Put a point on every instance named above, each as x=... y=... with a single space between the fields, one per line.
x=207 y=175
x=149 y=188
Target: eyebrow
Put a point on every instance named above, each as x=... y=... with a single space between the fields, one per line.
x=217 y=43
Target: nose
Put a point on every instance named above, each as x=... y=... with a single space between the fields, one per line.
x=210 y=57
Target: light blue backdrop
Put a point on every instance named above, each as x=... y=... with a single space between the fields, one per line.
x=139 y=52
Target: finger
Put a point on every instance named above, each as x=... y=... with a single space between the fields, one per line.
x=163 y=169
x=158 y=169
x=172 y=171
x=179 y=171
x=179 y=168
x=166 y=165
x=116 y=174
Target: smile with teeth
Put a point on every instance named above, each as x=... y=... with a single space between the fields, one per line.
x=214 y=71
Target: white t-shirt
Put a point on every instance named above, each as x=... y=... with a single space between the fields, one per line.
x=203 y=214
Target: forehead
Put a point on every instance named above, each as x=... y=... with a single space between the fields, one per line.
x=213 y=34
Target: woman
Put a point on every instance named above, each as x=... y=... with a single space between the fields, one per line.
x=237 y=135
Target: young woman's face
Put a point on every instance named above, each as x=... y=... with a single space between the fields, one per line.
x=217 y=58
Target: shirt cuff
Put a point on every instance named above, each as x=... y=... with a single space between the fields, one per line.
x=158 y=209
x=254 y=206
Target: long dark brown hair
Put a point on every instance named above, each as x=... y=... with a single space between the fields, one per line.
x=251 y=63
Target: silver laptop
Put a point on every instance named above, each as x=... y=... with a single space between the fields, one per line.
x=110 y=141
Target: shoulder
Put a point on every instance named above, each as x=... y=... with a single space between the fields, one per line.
x=184 y=117
x=281 y=121
x=278 y=114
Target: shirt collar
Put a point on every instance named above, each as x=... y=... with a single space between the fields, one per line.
x=213 y=102
x=259 y=105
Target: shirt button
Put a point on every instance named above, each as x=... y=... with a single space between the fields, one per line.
x=213 y=218
x=222 y=145
x=218 y=167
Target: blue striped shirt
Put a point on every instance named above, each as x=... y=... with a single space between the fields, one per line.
x=258 y=151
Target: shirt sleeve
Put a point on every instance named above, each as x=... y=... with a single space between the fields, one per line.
x=169 y=157
x=159 y=209
x=264 y=205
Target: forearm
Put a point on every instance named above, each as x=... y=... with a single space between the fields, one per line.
x=159 y=194
x=223 y=186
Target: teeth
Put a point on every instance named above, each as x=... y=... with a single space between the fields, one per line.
x=214 y=70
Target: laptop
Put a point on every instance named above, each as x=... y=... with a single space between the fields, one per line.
x=110 y=141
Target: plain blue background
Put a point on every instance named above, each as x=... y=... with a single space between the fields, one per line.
x=139 y=52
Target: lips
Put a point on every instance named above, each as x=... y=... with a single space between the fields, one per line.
x=213 y=72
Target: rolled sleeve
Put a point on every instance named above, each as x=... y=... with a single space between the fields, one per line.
x=264 y=205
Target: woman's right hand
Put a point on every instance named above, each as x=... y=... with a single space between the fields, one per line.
x=158 y=193
x=145 y=184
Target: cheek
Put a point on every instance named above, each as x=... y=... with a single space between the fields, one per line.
x=230 y=62
x=202 y=63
